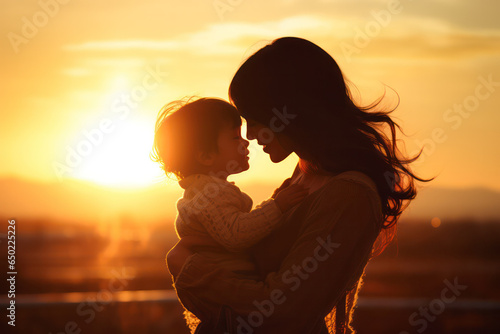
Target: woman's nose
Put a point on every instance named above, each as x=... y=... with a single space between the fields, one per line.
x=250 y=133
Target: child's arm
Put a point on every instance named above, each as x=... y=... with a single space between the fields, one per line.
x=236 y=230
x=288 y=197
x=285 y=184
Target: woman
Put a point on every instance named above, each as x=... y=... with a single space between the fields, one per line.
x=294 y=99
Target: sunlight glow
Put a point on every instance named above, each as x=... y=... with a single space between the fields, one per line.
x=120 y=82
x=123 y=158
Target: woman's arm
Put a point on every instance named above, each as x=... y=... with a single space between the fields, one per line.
x=329 y=255
x=186 y=247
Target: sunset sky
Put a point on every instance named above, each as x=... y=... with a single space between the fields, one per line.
x=82 y=81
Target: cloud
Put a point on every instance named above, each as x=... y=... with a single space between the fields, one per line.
x=417 y=37
x=220 y=38
x=111 y=45
x=402 y=37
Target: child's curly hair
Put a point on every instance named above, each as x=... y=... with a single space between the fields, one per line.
x=186 y=127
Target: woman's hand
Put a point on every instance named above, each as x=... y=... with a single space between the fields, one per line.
x=187 y=246
x=176 y=258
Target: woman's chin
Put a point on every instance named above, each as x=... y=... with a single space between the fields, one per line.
x=277 y=157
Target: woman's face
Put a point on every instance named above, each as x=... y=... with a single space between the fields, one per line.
x=277 y=145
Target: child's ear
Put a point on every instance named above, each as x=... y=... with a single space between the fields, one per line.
x=206 y=159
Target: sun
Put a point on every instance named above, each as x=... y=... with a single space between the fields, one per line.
x=123 y=157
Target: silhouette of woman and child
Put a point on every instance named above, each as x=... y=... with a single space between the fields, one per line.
x=295 y=262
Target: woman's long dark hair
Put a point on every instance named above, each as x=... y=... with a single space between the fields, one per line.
x=298 y=80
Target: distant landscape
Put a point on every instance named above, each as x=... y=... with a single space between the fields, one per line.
x=79 y=201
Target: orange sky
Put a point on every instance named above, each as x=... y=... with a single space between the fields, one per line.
x=89 y=77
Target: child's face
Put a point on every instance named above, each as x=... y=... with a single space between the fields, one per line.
x=232 y=157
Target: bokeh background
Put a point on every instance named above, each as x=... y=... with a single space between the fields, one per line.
x=83 y=81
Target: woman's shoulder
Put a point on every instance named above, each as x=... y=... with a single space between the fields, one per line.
x=349 y=197
x=349 y=179
x=350 y=187
x=355 y=178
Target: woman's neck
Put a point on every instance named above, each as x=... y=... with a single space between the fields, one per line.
x=307 y=167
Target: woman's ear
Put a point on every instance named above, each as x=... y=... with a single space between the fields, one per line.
x=206 y=159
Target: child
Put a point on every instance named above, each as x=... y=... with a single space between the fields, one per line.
x=200 y=143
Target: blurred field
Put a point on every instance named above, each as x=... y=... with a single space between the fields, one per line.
x=113 y=279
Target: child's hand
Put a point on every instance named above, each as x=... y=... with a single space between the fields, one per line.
x=290 y=196
x=285 y=184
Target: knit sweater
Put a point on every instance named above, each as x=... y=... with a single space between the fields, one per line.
x=216 y=208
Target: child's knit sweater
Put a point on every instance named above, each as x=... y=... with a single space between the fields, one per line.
x=215 y=207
